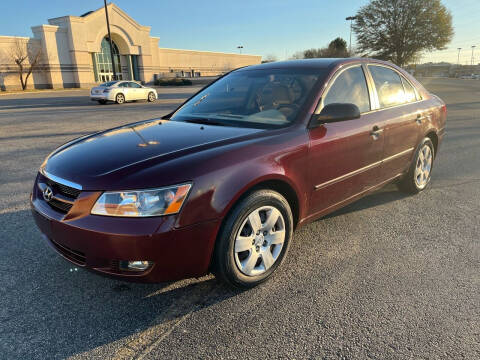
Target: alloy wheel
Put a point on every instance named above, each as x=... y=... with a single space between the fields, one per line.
x=120 y=99
x=259 y=241
x=151 y=97
x=423 y=166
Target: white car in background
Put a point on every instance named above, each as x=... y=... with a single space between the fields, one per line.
x=121 y=91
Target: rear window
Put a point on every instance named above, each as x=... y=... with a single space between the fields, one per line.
x=389 y=86
x=110 y=83
x=410 y=94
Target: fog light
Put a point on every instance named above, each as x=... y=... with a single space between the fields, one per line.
x=135 y=265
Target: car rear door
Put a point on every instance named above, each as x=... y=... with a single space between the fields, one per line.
x=399 y=108
x=345 y=157
x=124 y=89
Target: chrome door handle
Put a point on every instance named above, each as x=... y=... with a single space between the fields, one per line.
x=376 y=131
x=419 y=119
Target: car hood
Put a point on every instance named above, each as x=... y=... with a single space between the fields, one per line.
x=107 y=156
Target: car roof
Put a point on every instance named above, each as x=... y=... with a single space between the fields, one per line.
x=320 y=63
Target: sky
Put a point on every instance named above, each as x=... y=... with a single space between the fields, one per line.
x=264 y=27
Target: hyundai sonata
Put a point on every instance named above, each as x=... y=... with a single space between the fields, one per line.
x=220 y=184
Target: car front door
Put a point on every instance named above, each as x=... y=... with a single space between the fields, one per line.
x=137 y=90
x=345 y=156
x=399 y=109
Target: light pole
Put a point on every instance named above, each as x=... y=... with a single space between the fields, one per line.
x=110 y=39
x=240 y=47
x=351 y=18
x=472 y=61
x=458 y=58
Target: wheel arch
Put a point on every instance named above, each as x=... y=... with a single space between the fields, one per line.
x=280 y=185
x=432 y=135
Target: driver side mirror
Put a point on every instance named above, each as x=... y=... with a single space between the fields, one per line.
x=335 y=112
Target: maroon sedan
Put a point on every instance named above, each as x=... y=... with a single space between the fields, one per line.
x=221 y=183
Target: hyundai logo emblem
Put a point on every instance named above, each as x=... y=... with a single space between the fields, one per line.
x=47 y=194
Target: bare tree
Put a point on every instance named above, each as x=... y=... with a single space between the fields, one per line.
x=269 y=58
x=297 y=55
x=27 y=57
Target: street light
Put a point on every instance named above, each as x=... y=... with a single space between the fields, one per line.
x=458 y=58
x=351 y=18
x=473 y=47
x=110 y=39
x=240 y=47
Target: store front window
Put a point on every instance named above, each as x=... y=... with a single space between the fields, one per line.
x=102 y=62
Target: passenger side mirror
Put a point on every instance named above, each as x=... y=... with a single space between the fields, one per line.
x=335 y=112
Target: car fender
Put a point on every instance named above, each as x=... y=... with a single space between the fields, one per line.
x=212 y=197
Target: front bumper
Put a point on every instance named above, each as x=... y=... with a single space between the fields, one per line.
x=99 y=242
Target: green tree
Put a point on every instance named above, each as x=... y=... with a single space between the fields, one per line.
x=399 y=30
x=336 y=49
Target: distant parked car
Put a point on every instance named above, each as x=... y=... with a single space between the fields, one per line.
x=121 y=91
x=221 y=183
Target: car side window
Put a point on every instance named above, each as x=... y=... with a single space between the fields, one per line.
x=349 y=87
x=389 y=86
x=410 y=94
x=134 y=85
x=123 y=85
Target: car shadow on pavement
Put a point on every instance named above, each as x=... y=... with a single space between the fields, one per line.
x=42 y=102
x=388 y=194
x=51 y=309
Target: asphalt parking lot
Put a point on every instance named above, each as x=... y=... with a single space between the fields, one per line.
x=391 y=276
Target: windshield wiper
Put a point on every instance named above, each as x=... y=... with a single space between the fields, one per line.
x=234 y=116
x=205 y=121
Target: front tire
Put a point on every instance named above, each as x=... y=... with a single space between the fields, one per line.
x=120 y=98
x=254 y=239
x=420 y=171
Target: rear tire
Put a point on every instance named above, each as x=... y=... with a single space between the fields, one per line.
x=420 y=171
x=253 y=240
x=120 y=98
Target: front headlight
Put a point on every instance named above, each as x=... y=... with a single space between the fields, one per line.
x=142 y=203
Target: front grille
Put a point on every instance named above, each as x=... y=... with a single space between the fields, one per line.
x=60 y=205
x=74 y=256
x=63 y=189
x=63 y=196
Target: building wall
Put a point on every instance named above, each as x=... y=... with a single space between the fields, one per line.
x=205 y=62
x=69 y=41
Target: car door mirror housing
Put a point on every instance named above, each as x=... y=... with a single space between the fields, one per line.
x=335 y=112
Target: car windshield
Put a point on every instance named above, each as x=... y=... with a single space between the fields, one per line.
x=268 y=98
x=110 y=83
